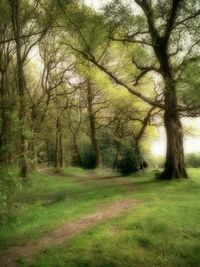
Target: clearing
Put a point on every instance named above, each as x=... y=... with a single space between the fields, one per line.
x=95 y=218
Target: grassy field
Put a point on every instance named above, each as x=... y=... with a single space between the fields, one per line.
x=162 y=230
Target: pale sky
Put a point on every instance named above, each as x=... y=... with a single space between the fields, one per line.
x=191 y=143
x=96 y=3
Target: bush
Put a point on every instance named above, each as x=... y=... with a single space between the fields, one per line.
x=193 y=160
x=128 y=162
x=88 y=157
x=9 y=185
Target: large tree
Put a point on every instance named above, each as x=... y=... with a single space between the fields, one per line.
x=165 y=37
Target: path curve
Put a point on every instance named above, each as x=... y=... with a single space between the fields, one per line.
x=9 y=257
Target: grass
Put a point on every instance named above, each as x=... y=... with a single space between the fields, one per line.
x=48 y=201
x=163 y=230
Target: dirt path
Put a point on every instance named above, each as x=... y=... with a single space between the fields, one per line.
x=9 y=257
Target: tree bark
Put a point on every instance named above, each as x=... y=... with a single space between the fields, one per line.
x=21 y=88
x=174 y=165
x=59 y=145
x=6 y=113
x=78 y=158
x=140 y=159
x=61 y=157
x=33 y=154
x=93 y=133
x=48 y=151
x=117 y=147
x=5 y=137
x=139 y=136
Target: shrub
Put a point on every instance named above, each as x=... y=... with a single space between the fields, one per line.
x=128 y=161
x=193 y=160
x=88 y=157
x=9 y=185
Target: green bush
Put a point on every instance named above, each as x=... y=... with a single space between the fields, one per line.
x=128 y=162
x=9 y=185
x=193 y=160
x=88 y=157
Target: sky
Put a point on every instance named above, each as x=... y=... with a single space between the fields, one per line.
x=96 y=3
x=191 y=141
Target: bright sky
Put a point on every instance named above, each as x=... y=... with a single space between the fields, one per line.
x=96 y=3
x=191 y=142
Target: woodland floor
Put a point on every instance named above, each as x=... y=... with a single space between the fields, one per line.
x=96 y=218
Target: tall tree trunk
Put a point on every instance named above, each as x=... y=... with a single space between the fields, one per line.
x=78 y=158
x=6 y=114
x=61 y=156
x=93 y=134
x=140 y=159
x=21 y=87
x=116 y=158
x=33 y=153
x=174 y=165
x=139 y=136
x=48 y=152
x=5 y=137
x=59 y=145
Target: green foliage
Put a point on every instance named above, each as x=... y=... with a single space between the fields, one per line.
x=88 y=157
x=9 y=186
x=190 y=82
x=128 y=162
x=193 y=160
x=4 y=11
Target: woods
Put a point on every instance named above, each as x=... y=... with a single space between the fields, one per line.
x=62 y=58
x=99 y=120
x=79 y=54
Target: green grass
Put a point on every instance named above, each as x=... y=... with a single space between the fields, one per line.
x=163 y=230
x=48 y=201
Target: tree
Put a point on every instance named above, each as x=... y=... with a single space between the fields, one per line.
x=75 y=120
x=21 y=87
x=131 y=122
x=25 y=36
x=7 y=52
x=160 y=38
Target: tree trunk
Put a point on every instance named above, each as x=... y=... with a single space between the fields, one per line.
x=174 y=165
x=61 y=153
x=5 y=137
x=138 y=137
x=48 y=152
x=6 y=117
x=33 y=154
x=116 y=158
x=98 y=161
x=59 y=146
x=93 y=134
x=78 y=158
x=140 y=159
x=21 y=87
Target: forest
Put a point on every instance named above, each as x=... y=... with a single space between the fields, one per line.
x=87 y=88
